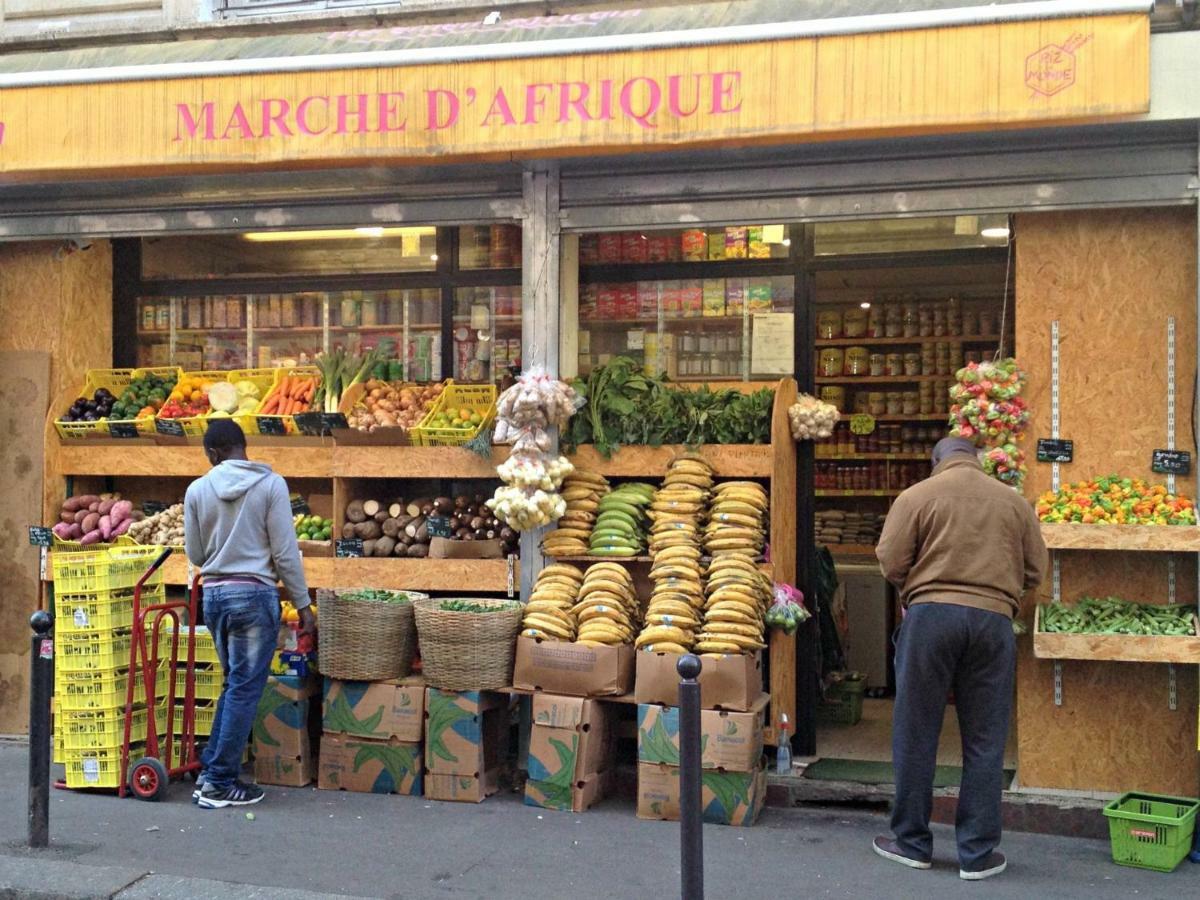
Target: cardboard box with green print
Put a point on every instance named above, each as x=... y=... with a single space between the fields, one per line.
x=570 y=744
x=377 y=710
x=728 y=740
x=286 y=730
x=370 y=767
x=726 y=798
x=466 y=736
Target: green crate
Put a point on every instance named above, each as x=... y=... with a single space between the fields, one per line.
x=1149 y=831
x=843 y=703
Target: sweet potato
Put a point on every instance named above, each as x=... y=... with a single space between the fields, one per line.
x=80 y=516
x=106 y=506
x=120 y=511
x=106 y=527
x=122 y=527
x=83 y=501
x=62 y=531
x=90 y=522
x=92 y=537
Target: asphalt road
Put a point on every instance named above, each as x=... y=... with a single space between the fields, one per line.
x=364 y=845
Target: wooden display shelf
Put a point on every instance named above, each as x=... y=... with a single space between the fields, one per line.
x=1115 y=647
x=1158 y=538
x=916 y=417
x=907 y=341
x=187 y=460
x=851 y=549
x=880 y=379
x=727 y=460
x=857 y=493
x=852 y=457
x=413 y=462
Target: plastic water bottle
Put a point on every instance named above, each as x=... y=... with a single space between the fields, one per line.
x=783 y=751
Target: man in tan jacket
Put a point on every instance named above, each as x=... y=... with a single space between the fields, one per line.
x=961 y=549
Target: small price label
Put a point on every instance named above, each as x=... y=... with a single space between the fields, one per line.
x=319 y=424
x=123 y=430
x=271 y=425
x=351 y=548
x=1171 y=462
x=40 y=536
x=1055 y=450
x=169 y=427
x=862 y=423
x=300 y=505
x=439 y=526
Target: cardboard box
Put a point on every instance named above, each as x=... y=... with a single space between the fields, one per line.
x=377 y=710
x=462 y=788
x=728 y=740
x=370 y=767
x=465 y=732
x=557 y=667
x=570 y=752
x=732 y=681
x=291 y=664
x=726 y=798
x=285 y=729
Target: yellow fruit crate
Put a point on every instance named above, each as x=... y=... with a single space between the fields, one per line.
x=98 y=768
x=205 y=716
x=476 y=398
x=263 y=379
x=59 y=754
x=100 y=729
x=207 y=683
x=89 y=570
x=92 y=651
x=206 y=650
x=91 y=690
x=284 y=424
x=116 y=381
x=100 y=610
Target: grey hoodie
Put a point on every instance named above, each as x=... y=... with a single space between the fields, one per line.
x=237 y=522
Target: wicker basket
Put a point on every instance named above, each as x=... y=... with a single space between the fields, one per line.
x=365 y=640
x=462 y=651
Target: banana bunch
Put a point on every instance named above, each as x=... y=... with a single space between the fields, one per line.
x=737 y=520
x=549 y=613
x=582 y=491
x=607 y=606
x=676 y=605
x=737 y=596
x=620 y=527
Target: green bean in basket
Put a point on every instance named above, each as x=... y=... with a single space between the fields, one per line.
x=376 y=596
x=468 y=606
x=1112 y=615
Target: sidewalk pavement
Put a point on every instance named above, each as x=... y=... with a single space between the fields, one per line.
x=304 y=843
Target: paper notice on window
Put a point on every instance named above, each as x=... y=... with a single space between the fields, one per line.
x=773 y=234
x=772 y=348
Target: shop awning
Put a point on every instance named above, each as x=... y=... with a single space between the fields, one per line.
x=758 y=71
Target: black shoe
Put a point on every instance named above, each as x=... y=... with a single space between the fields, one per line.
x=237 y=794
x=992 y=864
x=890 y=850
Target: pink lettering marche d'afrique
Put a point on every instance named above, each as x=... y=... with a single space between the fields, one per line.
x=647 y=102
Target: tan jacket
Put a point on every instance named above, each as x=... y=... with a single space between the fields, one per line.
x=962 y=537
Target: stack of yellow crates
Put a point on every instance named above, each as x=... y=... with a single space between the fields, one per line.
x=93 y=605
x=208 y=680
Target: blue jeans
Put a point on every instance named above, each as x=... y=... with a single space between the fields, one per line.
x=944 y=647
x=244 y=621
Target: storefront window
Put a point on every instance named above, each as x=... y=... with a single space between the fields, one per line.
x=487 y=332
x=910 y=235
x=489 y=247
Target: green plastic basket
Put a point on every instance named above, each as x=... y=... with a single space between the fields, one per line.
x=843 y=703
x=1149 y=831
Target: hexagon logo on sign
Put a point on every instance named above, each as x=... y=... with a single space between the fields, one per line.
x=1051 y=69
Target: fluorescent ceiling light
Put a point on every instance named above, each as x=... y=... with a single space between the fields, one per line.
x=995 y=231
x=866 y=304
x=332 y=234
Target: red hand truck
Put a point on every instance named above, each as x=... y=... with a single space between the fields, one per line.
x=164 y=759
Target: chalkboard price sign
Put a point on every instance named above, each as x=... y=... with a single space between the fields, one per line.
x=271 y=425
x=300 y=506
x=40 y=536
x=1171 y=462
x=439 y=526
x=153 y=507
x=123 y=429
x=1055 y=450
x=169 y=427
x=348 y=549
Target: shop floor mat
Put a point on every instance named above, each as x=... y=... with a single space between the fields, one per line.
x=867 y=772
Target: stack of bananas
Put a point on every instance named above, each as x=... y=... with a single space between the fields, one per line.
x=607 y=607
x=677 y=599
x=737 y=520
x=548 y=614
x=620 y=528
x=581 y=490
x=738 y=595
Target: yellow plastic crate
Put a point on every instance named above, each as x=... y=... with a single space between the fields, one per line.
x=205 y=714
x=100 y=729
x=480 y=398
x=93 y=651
x=59 y=754
x=101 y=610
x=89 y=570
x=263 y=379
x=206 y=650
x=98 y=768
x=287 y=424
x=90 y=690
x=116 y=381
x=207 y=683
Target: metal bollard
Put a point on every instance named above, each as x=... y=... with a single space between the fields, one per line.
x=691 y=834
x=41 y=679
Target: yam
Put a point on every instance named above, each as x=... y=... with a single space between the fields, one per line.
x=349 y=531
x=368 y=548
x=90 y=522
x=413 y=526
x=396 y=509
x=381 y=516
x=355 y=512
x=415 y=507
x=401 y=549
x=368 y=530
x=422 y=534
x=370 y=508
x=384 y=546
x=444 y=505
x=391 y=527
x=418 y=551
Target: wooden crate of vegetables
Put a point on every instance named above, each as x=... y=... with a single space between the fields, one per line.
x=88 y=520
x=398 y=527
x=293 y=392
x=129 y=396
x=382 y=413
x=1116 y=630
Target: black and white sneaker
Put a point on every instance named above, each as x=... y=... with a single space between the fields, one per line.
x=992 y=864
x=200 y=782
x=237 y=794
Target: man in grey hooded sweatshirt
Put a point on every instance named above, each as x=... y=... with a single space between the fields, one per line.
x=239 y=534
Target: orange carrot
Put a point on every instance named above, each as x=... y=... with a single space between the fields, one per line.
x=271 y=405
x=309 y=391
x=285 y=384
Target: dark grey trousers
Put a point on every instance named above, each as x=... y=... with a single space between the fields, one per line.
x=943 y=647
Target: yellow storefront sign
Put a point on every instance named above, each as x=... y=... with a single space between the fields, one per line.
x=856 y=85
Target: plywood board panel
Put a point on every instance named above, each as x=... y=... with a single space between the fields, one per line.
x=1110 y=278
x=24 y=387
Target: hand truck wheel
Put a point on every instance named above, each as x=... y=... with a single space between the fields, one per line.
x=148 y=779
